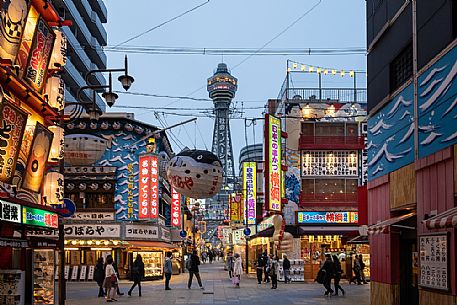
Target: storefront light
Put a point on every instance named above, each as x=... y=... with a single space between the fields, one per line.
x=97 y=242
x=90 y=242
x=56 y=152
x=73 y=242
x=106 y=243
x=65 y=242
x=71 y=249
x=311 y=238
x=81 y=242
x=115 y=242
x=320 y=238
x=101 y=249
x=53 y=188
x=328 y=238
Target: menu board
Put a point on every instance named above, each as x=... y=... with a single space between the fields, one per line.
x=434 y=261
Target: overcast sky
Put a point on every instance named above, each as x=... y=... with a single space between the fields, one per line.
x=226 y=24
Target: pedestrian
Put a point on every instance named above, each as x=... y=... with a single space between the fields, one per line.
x=286 y=268
x=230 y=264
x=338 y=271
x=267 y=267
x=274 y=271
x=362 y=268
x=210 y=256
x=237 y=270
x=204 y=256
x=117 y=273
x=111 y=280
x=327 y=268
x=137 y=273
x=194 y=270
x=168 y=270
x=99 y=276
x=259 y=268
x=356 y=268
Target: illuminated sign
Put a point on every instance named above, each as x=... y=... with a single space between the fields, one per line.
x=327 y=217
x=12 y=126
x=144 y=188
x=273 y=185
x=13 y=17
x=265 y=224
x=130 y=191
x=10 y=212
x=154 y=187
x=249 y=191
x=235 y=207
x=175 y=208
x=40 y=218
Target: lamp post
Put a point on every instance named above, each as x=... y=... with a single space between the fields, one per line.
x=195 y=209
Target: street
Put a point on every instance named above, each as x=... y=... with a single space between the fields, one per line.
x=219 y=290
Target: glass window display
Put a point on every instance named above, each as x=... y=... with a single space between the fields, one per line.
x=153 y=263
x=12 y=287
x=43 y=277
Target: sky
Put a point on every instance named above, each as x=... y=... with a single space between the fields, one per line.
x=225 y=24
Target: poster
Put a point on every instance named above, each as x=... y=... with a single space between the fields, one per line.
x=324 y=217
x=273 y=177
x=434 y=261
x=12 y=126
x=235 y=207
x=40 y=52
x=26 y=41
x=13 y=17
x=144 y=187
x=249 y=192
x=175 y=208
x=38 y=157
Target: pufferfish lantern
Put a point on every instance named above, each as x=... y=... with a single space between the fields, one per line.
x=195 y=173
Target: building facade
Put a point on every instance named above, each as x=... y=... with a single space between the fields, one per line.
x=411 y=150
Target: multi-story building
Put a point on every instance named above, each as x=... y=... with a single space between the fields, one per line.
x=86 y=38
x=412 y=57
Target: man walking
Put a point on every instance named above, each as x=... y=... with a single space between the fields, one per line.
x=266 y=267
x=168 y=270
x=259 y=269
x=328 y=267
x=286 y=267
x=230 y=264
x=194 y=270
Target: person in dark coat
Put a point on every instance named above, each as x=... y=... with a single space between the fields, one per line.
x=194 y=270
x=137 y=274
x=230 y=264
x=337 y=276
x=266 y=267
x=259 y=268
x=168 y=270
x=99 y=276
x=286 y=268
x=362 y=268
x=329 y=268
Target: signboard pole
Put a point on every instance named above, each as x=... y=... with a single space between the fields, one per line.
x=61 y=286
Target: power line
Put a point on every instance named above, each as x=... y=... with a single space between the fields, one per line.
x=162 y=24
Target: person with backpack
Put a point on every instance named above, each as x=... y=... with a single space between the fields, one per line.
x=137 y=274
x=168 y=270
x=325 y=274
x=99 y=276
x=192 y=265
x=337 y=276
x=259 y=268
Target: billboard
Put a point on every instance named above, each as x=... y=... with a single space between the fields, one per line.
x=148 y=187
x=249 y=191
x=175 y=208
x=235 y=207
x=324 y=217
x=13 y=17
x=273 y=175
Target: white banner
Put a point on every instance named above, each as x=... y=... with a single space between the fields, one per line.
x=93 y=216
x=10 y=212
x=141 y=232
x=93 y=231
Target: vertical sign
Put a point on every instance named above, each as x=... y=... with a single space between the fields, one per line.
x=175 y=208
x=144 y=188
x=154 y=187
x=249 y=191
x=13 y=17
x=235 y=207
x=273 y=180
x=434 y=261
x=131 y=191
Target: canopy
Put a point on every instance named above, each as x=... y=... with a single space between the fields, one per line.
x=383 y=226
x=447 y=219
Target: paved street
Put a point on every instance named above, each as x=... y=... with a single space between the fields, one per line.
x=219 y=290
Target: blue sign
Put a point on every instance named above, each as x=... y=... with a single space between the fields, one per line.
x=67 y=209
x=247 y=231
x=327 y=217
x=183 y=234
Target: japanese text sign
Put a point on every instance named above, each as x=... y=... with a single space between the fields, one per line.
x=10 y=212
x=93 y=231
x=434 y=261
x=38 y=217
x=249 y=191
x=144 y=187
x=304 y=217
x=175 y=208
x=12 y=126
x=154 y=187
x=235 y=207
x=274 y=181
x=141 y=232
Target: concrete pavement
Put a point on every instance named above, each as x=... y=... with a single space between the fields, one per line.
x=219 y=291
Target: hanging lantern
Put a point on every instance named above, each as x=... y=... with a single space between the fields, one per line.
x=195 y=173
x=56 y=152
x=53 y=188
x=303 y=67
x=55 y=89
x=59 y=51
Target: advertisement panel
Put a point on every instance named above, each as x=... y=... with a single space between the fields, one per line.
x=26 y=41
x=154 y=187
x=323 y=217
x=38 y=157
x=12 y=126
x=10 y=212
x=144 y=188
x=175 y=208
x=434 y=261
x=40 y=218
x=249 y=191
x=235 y=207
x=273 y=183
x=13 y=16
x=93 y=231
x=40 y=52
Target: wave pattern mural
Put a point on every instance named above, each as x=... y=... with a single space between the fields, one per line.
x=292 y=179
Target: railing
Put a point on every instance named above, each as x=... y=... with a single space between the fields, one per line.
x=331 y=142
x=339 y=199
x=341 y=95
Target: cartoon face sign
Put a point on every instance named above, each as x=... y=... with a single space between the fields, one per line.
x=195 y=173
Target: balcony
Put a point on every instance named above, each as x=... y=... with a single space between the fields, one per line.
x=340 y=95
x=331 y=142
x=99 y=7
x=331 y=200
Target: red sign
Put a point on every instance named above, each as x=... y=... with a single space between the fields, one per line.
x=144 y=190
x=175 y=208
x=154 y=186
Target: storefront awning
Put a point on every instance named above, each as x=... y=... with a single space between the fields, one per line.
x=150 y=244
x=359 y=240
x=383 y=226
x=447 y=219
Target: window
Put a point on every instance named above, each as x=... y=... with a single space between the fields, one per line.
x=93 y=200
x=307 y=129
x=401 y=68
x=330 y=129
x=329 y=186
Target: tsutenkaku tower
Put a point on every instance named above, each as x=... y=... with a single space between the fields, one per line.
x=222 y=87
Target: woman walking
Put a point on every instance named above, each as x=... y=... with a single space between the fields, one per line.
x=137 y=274
x=337 y=274
x=99 y=276
x=111 y=280
x=237 y=270
x=274 y=272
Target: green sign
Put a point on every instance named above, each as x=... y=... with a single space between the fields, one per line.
x=38 y=217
